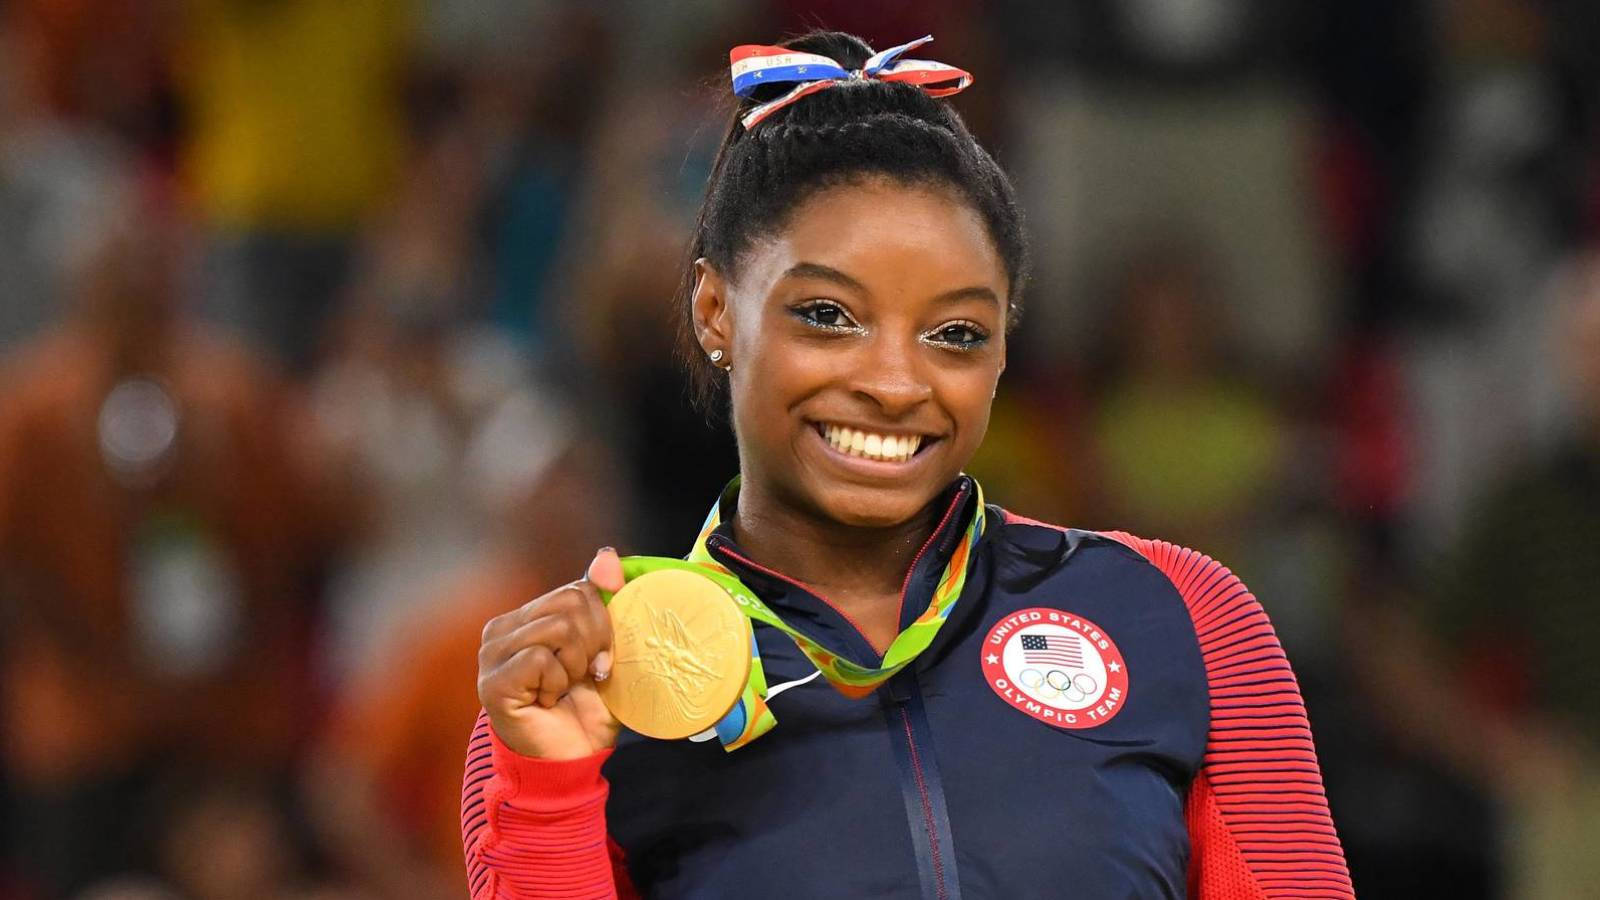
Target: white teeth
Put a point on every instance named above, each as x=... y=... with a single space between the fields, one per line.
x=893 y=448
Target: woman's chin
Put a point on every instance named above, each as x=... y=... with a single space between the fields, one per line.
x=860 y=506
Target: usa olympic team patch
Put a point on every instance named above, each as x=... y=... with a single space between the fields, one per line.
x=1057 y=667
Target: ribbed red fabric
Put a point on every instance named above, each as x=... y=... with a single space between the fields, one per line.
x=1258 y=819
x=536 y=827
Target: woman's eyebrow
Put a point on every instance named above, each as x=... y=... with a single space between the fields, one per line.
x=826 y=273
x=976 y=292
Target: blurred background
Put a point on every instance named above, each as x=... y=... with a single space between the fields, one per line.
x=331 y=328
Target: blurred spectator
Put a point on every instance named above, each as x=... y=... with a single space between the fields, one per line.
x=1491 y=673
x=387 y=786
x=1141 y=118
x=49 y=171
x=422 y=414
x=105 y=62
x=49 y=177
x=1518 y=620
x=532 y=130
x=1187 y=448
x=295 y=136
x=224 y=839
x=626 y=258
x=227 y=840
x=1502 y=196
x=154 y=538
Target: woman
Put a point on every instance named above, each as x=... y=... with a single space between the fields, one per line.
x=1083 y=713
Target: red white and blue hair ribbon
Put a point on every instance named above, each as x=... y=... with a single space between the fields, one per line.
x=754 y=65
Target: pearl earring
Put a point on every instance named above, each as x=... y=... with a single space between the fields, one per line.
x=716 y=357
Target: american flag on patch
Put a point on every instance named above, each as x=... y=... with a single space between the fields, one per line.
x=1052 y=649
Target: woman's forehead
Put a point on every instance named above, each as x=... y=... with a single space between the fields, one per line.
x=885 y=236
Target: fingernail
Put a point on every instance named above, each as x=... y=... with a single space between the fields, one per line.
x=601 y=666
x=605 y=550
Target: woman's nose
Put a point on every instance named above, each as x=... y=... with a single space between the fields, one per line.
x=888 y=373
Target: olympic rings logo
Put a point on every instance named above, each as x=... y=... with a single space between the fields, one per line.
x=1054 y=683
x=1056 y=667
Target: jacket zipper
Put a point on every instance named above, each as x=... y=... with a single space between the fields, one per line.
x=921 y=787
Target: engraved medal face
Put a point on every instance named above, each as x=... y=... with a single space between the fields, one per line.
x=680 y=654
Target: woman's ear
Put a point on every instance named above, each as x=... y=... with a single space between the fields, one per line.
x=710 y=310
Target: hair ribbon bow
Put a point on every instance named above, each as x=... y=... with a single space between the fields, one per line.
x=754 y=65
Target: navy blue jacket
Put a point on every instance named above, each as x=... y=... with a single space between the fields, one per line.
x=1100 y=716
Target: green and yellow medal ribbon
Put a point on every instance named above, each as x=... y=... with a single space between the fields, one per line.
x=750 y=718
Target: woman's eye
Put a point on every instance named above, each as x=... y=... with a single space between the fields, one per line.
x=824 y=314
x=960 y=334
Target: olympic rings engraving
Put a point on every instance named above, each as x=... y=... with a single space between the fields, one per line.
x=1059 y=683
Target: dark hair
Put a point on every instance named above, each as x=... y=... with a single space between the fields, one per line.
x=857 y=129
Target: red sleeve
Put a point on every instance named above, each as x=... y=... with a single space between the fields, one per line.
x=1258 y=819
x=536 y=827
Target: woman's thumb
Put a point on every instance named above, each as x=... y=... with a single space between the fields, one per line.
x=606 y=570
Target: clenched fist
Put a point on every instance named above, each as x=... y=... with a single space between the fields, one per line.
x=539 y=663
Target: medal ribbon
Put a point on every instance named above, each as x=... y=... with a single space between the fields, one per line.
x=750 y=718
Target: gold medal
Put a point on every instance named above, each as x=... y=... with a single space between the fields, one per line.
x=680 y=654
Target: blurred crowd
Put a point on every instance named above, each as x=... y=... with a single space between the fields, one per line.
x=331 y=328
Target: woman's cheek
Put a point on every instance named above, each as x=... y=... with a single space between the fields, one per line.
x=972 y=416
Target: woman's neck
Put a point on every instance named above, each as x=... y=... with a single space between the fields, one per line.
x=845 y=562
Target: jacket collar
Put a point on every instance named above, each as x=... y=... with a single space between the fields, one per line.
x=810 y=612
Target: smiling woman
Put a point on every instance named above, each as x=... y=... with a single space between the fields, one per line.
x=876 y=312
x=1015 y=706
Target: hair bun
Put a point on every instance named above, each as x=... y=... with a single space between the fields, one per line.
x=858 y=128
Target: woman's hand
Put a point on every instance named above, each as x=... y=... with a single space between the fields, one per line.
x=538 y=665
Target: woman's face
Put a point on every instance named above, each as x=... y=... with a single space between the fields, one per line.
x=866 y=338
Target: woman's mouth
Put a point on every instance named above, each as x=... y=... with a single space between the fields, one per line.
x=879 y=446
